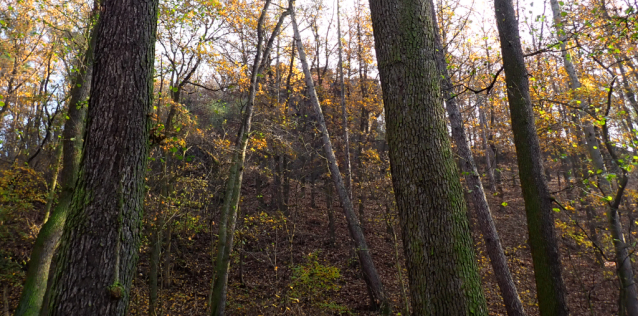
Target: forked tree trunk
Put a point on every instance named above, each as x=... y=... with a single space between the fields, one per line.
x=219 y=284
x=439 y=251
x=97 y=257
x=512 y=301
x=370 y=273
x=48 y=238
x=538 y=202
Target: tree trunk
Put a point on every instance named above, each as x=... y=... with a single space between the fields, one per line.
x=439 y=252
x=49 y=236
x=156 y=244
x=98 y=252
x=5 y=299
x=219 y=284
x=538 y=202
x=331 y=212
x=167 y=278
x=344 y=111
x=624 y=269
x=367 y=265
x=57 y=162
x=486 y=147
x=512 y=301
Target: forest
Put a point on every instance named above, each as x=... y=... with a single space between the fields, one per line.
x=318 y=157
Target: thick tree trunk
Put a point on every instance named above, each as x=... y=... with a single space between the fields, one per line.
x=48 y=238
x=98 y=252
x=512 y=301
x=439 y=252
x=370 y=273
x=538 y=202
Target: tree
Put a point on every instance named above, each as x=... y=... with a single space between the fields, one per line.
x=506 y=284
x=72 y=139
x=219 y=284
x=624 y=271
x=370 y=274
x=99 y=248
x=436 y=237
x=538 y=202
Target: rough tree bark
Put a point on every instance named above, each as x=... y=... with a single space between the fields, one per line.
x=370 y=273
x=98 y=252
x=512 y=301
x=538 y=202
x=72 y=138
x=439 y=252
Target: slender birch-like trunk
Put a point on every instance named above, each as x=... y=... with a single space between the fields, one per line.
x=219 y=284
x=370 y=273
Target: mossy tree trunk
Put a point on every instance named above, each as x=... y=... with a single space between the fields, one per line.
x=439 y=252
x=48 y=238
x=538 y=202
x=97 y=257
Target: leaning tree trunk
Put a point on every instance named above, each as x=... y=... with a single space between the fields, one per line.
x=219 y=284
x=538 y=202
x=512 y=301
x=439 y=252
x=370 y=273
x=49 y=236
x=97 y=257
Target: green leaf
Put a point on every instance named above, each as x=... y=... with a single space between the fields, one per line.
x=557 y=210
x=563 y=13
x=504 y=204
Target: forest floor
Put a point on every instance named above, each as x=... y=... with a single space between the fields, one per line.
x=269 y=278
